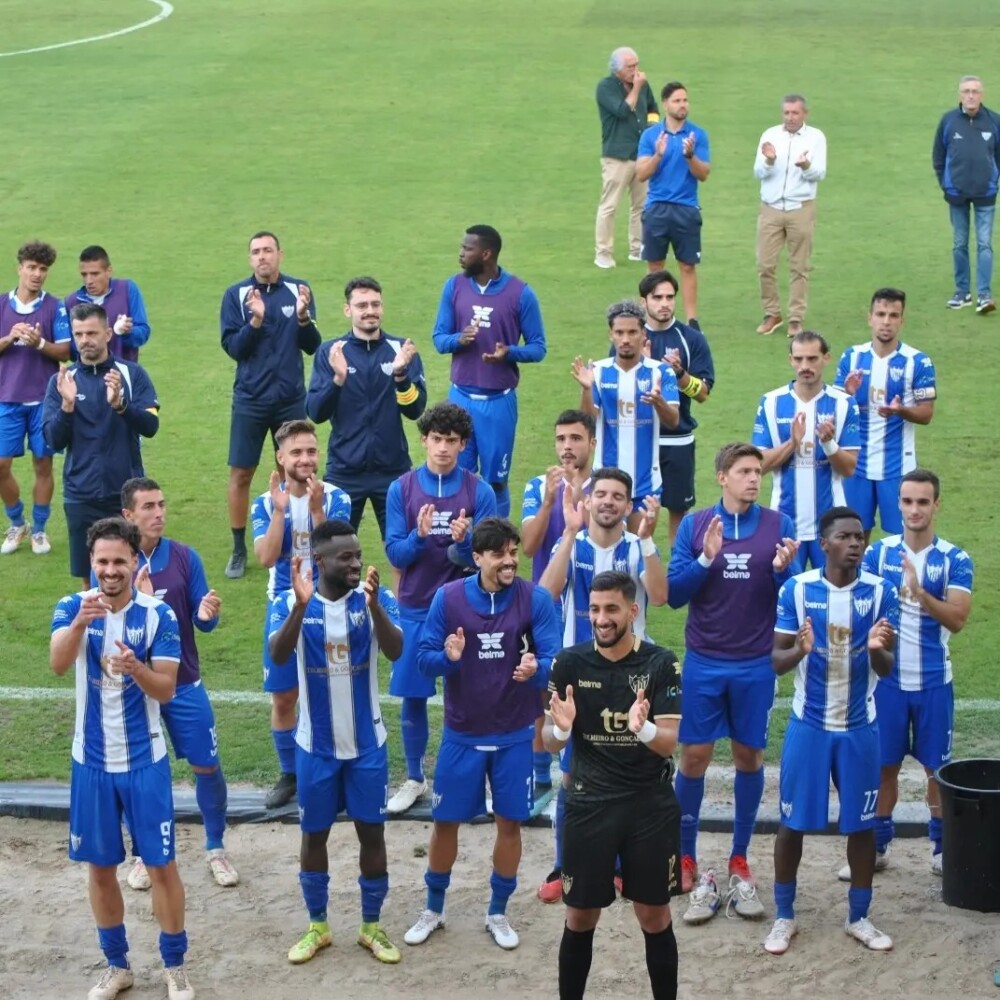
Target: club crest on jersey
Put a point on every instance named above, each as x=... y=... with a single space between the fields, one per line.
x=737 y=565
x=287 y=311
x=986 y=136
x=358 y=618
x=621 y=565
x=638 y=682
x=490 y=644
x=567 y=884
x=897 y=372
x=863 y=605
x=134 y=636
x=933 y=573
x=386 y=367
x=481 y=315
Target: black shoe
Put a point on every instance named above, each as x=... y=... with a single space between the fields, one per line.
x=694 y=324
x=283 y=792
x=237 y=565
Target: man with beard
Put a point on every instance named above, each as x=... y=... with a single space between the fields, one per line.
x=808 y=432
x=603 y=545
x=268 y=323
x=483 y=315
x=332 y=639
x=364 y=383
x=493 y=638
x=619 y=699
x=95 y=410
x=630 y=397
x=686 y=350
x=283 y=519
x=836 y=629
x=727 y=564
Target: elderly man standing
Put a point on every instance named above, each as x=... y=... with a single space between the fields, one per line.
x=966 y=159
x=790 y=162
x=626 y=104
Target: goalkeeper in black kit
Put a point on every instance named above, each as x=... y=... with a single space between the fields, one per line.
x=619 y=700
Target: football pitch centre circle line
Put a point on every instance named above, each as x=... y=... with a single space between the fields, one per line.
x=166 y=9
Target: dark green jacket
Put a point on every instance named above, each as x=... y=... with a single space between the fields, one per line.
x=620 y=125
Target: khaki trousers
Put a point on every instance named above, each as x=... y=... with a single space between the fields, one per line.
x=774 y=229
x=616 y=176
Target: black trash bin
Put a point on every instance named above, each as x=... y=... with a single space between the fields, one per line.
x=970 y=815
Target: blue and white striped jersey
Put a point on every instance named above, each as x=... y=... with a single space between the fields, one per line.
x=337 y=662
x=117 y=725
x=888 y=444
x=298 y=528
x=628 y=430
x=585 y=563
x=922 y=657
x=835 y=684
x=806 y=485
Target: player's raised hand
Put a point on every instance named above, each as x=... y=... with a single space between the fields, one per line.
x=460 y=526
x=711 y=544
x=92 y=607
x=468 y=335
x=673 y=358
x=803 y=162
x=654 y=395
x=583 y=372
x=338 y=362
x=881 y=636
x=784 y=553
x=638 y=711
x=853 y=381
x=113 y=389
x=66 y=386
x=404 y=356
x=302 y=301
x=804 y=638
x=563 y=710
x=892 y=408
x=554 y=476
x=123 y=325
x=574 y=511
x=454 y=645
x=527 y=668
x=768 y=151
x=316 y=494
x=209 y=606
x=910 y=581
x=30 y=336
x=661 y=142
x=20 y=333
x=142 y=581
x=302 y=584
x=650 y=512
x=371 y=586
x=425 y=520
x=798 y=428
x=497 y=355
x=124 y=661
x=825 y=429
x=254 y=303
x=688 y=145
x=279 y=497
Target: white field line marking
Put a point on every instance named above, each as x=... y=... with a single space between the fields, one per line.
x=166 y=10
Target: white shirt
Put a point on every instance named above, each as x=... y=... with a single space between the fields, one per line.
x=783 y=185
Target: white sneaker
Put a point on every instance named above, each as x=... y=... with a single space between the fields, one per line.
x=12 y=540
x=868 y=934
x=138 y=878
x=778 y=941
x=113 y=980
x=704 y=901
x=427 y=923
x=881 y=863
x=40 y=544
x=742 y=897
x=499 y=927
x=604 y=262
x=937 y=863
x=407 y=795
x=221 y=867
x=635 y=256
x=178 y=987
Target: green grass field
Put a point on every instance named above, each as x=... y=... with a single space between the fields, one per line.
x=370 y=137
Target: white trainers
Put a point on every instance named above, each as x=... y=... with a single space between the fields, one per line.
x=704 y=901
x=12 y=540
x=937 y=863
x=780 y=938
x=407 y=795
x=499 y=927
x=604 y=262
x=742 y=897
x=221 y=867
x=881 y=863
x=113 y=980
x=138 y=878
x=178 y=987
x=868 y=934
x=427 y=923
x=40 y=544
x=635 y=255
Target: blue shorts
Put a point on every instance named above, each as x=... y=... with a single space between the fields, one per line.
x=17 y=422
x=865 y=495
x=328 y=786
x=460 y=781
x=811 y=552
x=566 y=757
x=406 y=681
x=278 y=677
x=490 y=450
x=249 y=426
x=810 y=758
x=726 y=698
x=190 y=724
x=666 y=225
x=677 y=473
x=918 y=723
x=98 y=802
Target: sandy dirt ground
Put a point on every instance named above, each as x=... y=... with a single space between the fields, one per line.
x=239 y=937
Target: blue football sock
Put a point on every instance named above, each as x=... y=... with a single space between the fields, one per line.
x=373 y=893
x=541 y=762
x=114 y=945
x=413 y=723
x=503 y=499
x=284 y=747
x=934 y=832
x=316 y=893
x=212 y=795
x=502 y=888
x=748 y=790
x=559 y=822
x=885 y=830
x=858 y=902
x=784 y=900
x=690 y=792
x=40 y=514
x=173 y=948
x=437 y=885
x=16 y=514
